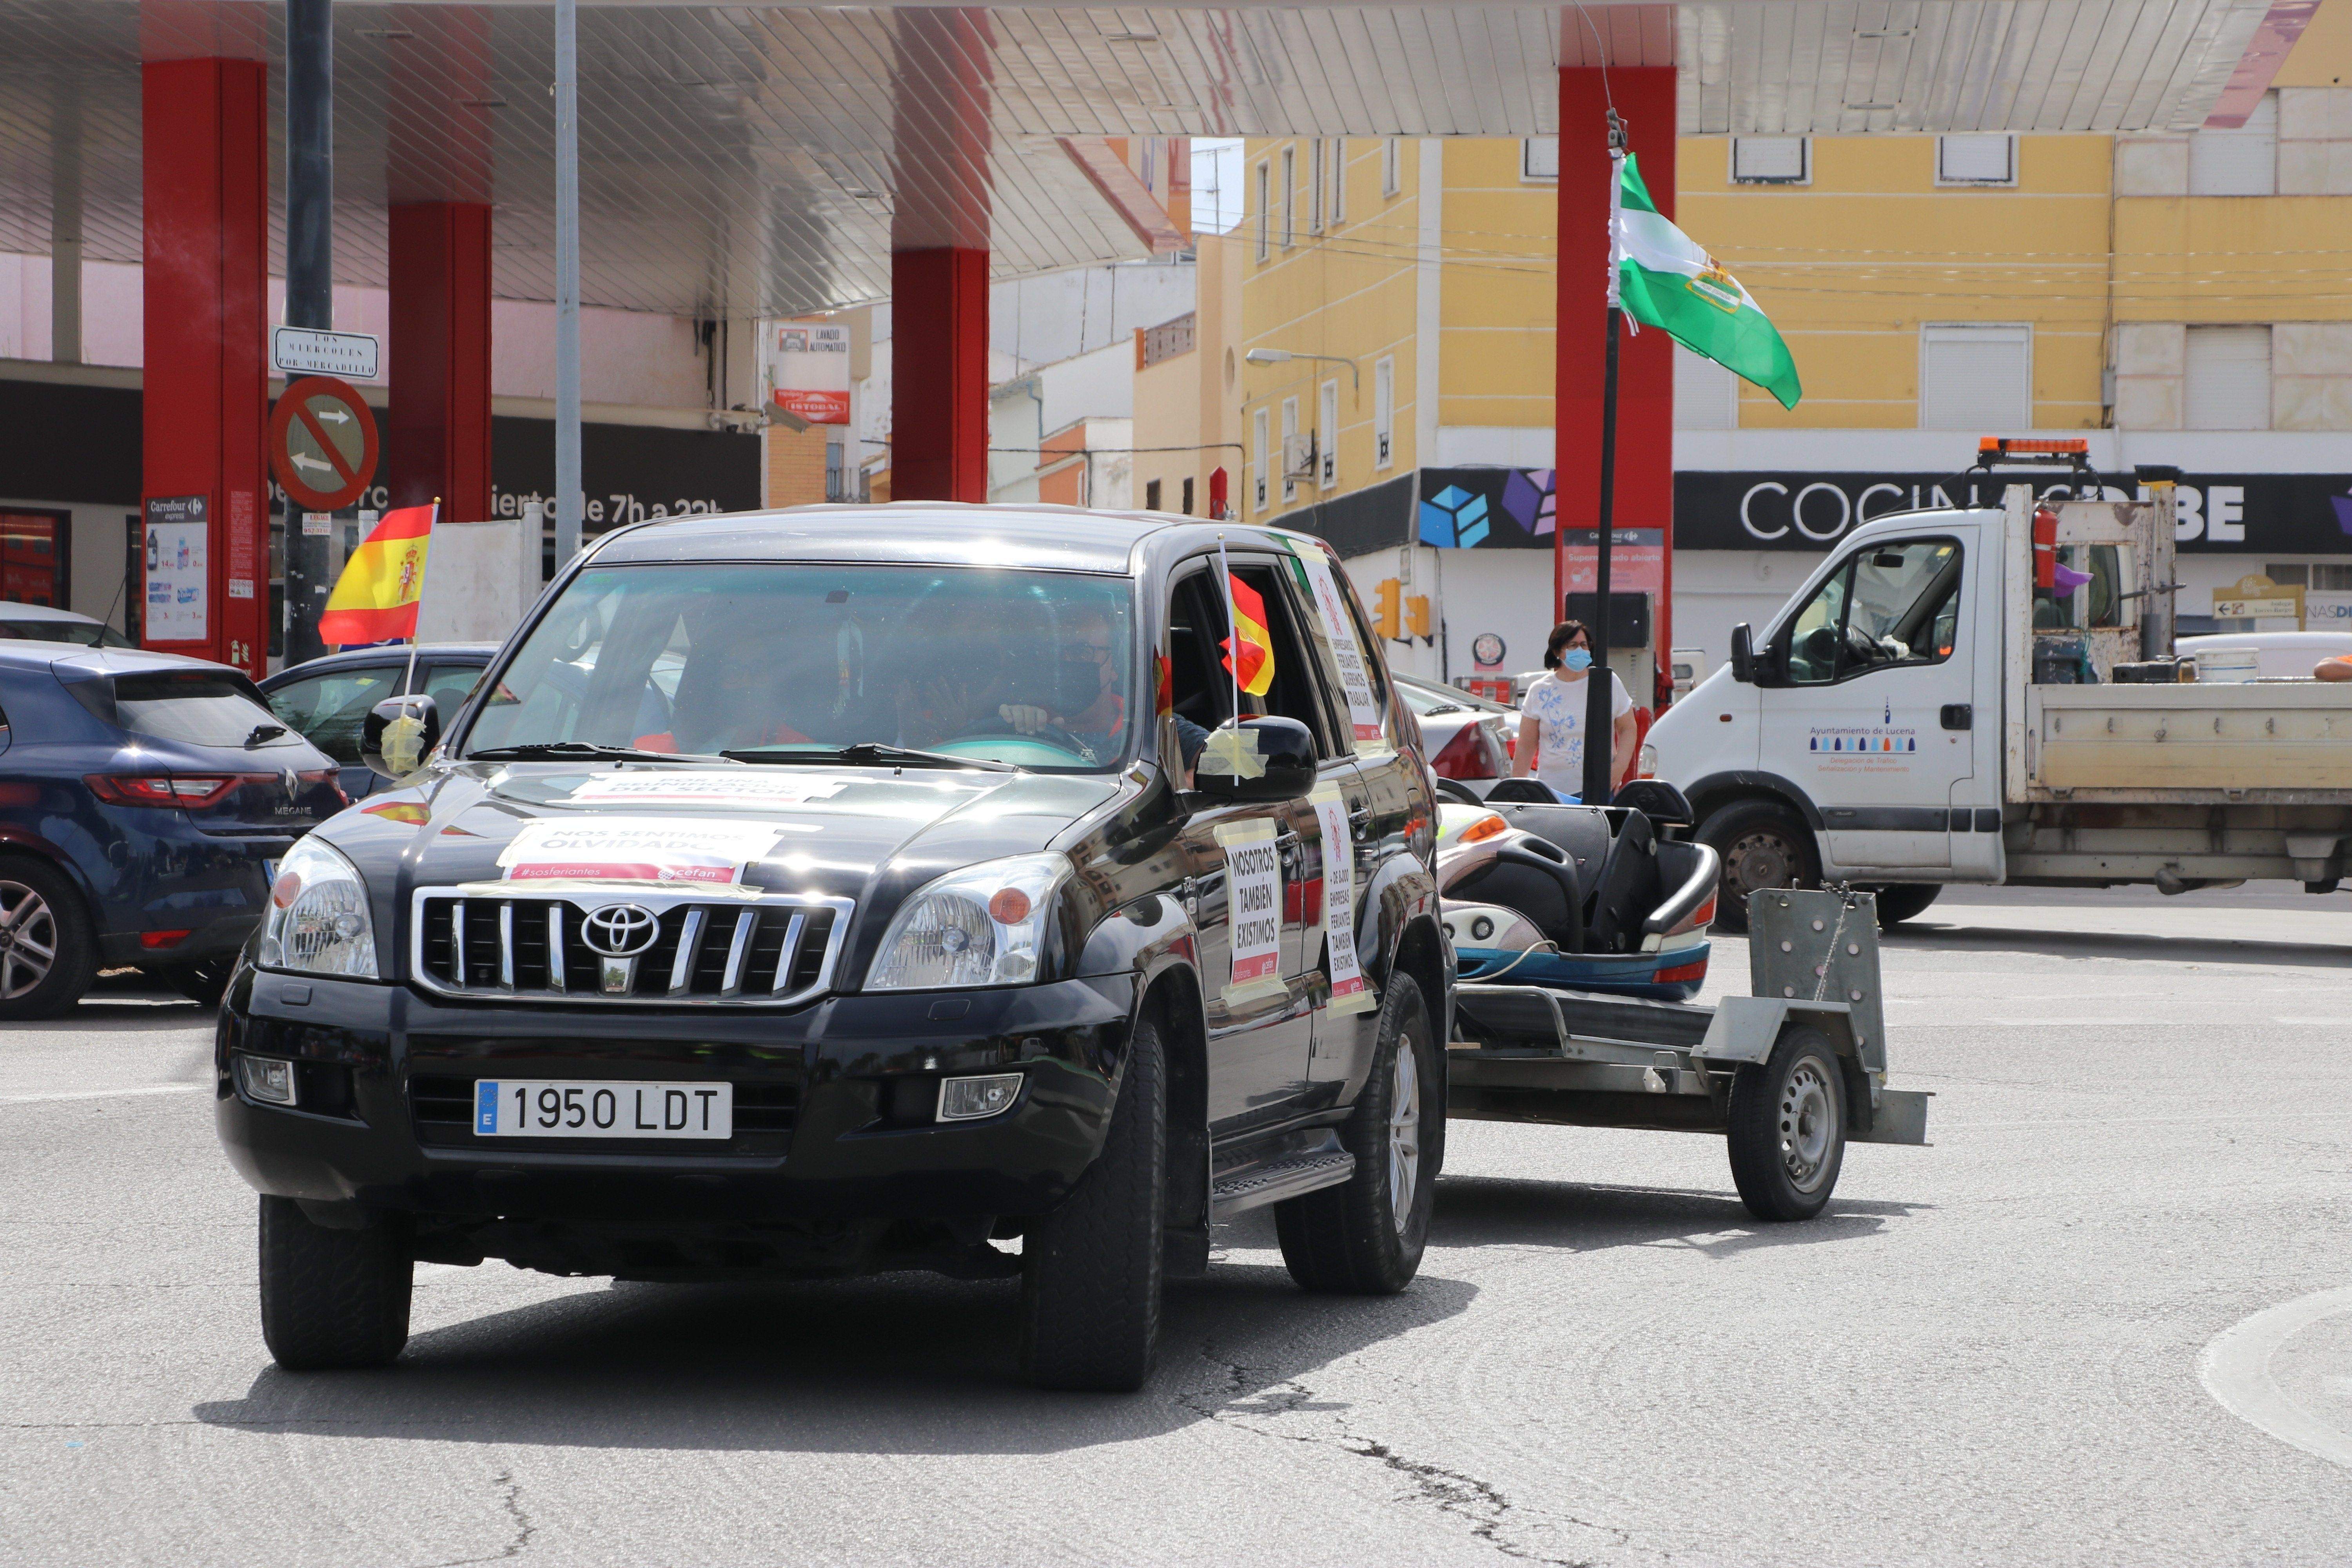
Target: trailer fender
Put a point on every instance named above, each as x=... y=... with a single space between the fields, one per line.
x=1746 y=1028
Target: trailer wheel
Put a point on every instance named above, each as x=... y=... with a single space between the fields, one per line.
x=1762 y=844
x=1788 y=1127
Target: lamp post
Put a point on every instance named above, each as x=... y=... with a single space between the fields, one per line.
x=1284 y=356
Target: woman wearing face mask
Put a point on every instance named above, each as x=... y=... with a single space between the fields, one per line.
x=1551 y=721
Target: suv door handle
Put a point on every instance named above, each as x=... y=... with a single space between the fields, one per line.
x=1959 y=716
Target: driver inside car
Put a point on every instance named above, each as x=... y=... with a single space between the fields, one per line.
x=1088 y=685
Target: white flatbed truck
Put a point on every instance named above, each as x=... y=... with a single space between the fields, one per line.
x=1920 y=713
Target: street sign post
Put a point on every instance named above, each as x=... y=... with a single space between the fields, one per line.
x=322 y=443
x=308 y=351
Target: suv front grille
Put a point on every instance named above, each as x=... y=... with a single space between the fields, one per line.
x=680 y=947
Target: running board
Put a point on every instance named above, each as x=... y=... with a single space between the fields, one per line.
x=1276 y=1180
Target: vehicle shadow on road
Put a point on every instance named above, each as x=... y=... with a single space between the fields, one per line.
x=895 y=1364
x=1926 y=936
x=1577 y=1217
x=95 y=1015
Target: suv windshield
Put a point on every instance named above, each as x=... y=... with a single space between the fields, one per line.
x=769 y=661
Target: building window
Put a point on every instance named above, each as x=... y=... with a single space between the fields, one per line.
x=2241 y=163
x=1539 y=158
x=1314 y=186
x=1326 y=436
x=1976 y=160
x=1706 y=396
x=1294 y=460
x=1152 y=495
x=1264 y=208
x=1257 y=460
x=1771 y=160
x=1384 y=411
x=1188 y=495
x=1392 y=165
x=1338 y=212
x=1979 y=379
x=2226 y=378
x=1289 y=197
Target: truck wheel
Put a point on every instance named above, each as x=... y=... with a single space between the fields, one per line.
x=1900 y=901
x=47 y=955
x=1090 y=1269
x=331 y=1298
x=1365 y=1236
x=1762 y=844
x=1788 y=1127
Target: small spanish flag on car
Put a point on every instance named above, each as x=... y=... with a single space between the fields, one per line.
x=1255 y=671
x=376 y=598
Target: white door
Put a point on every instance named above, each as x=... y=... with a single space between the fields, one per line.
x=1868 y=711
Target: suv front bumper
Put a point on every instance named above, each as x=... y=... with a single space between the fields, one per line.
x=841 y=1094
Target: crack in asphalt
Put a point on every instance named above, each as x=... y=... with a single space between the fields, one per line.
x=1481 y=1504
x=512 y=1501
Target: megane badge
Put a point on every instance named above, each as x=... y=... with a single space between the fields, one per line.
x=620 y=931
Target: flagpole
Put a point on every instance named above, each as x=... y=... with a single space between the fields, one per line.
x=409 y=680
x=1600 y=715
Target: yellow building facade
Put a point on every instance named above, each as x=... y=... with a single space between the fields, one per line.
x=2178 y=300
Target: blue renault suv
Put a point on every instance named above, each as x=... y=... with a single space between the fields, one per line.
x=144 y=802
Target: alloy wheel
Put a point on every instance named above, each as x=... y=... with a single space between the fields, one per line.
x=1404 y=1132
x=28 y=940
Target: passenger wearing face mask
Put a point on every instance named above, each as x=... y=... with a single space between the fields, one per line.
x=1551 y=720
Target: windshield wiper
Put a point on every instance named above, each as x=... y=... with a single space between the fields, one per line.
x=262 y=732
x=865 y=752
x=562 y=751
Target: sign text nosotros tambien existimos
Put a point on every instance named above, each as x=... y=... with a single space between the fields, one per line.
x=1253 y=907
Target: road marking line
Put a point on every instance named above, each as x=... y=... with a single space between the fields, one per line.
x=103 y=1093
x=2236 y=1370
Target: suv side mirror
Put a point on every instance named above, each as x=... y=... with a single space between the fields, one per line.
x=398 y=734
x=1281 y=749
x=1743 y=654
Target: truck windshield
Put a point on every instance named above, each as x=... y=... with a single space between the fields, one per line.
x=774 y=662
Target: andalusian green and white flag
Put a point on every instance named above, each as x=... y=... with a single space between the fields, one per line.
x=1666 y=282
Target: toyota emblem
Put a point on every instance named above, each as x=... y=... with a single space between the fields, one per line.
x=620 y=931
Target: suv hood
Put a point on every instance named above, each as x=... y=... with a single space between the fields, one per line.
x=871 y=834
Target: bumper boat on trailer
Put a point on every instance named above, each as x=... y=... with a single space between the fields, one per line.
x=1580 y=938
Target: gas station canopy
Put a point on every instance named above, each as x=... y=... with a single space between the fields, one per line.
x=765 y=158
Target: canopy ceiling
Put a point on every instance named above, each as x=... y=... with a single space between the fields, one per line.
x=759 y=158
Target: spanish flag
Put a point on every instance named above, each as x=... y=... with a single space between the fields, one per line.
x=1255 y=671
x=376 y=598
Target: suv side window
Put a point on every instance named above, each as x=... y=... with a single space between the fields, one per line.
x=1887 y=606
x=1203 y=686
x=328 y=711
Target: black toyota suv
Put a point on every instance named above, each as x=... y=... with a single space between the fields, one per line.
x=855 y=889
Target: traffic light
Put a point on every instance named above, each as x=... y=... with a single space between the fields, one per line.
x=1416 y=615
x=1387 y=620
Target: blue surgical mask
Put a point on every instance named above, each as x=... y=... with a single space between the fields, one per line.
x=1578 y=659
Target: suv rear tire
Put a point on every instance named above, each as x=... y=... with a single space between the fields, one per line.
x=1365 y=1236
x=48 y=954
x=1090 y=1271
x=332 y=1299
x=1762 y=844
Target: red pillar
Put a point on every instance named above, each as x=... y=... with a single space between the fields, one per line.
x=939 y=380
x=438 y=436
x=939 y=266
x=205 y=178
x=1645 y=366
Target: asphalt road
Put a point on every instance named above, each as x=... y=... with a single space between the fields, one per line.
x=2105 y=1318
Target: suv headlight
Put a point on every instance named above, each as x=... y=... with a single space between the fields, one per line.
x=316 y=921
x=985 y=925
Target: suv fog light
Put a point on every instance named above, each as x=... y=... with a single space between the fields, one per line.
x=968 y=1098
x=265 y=1079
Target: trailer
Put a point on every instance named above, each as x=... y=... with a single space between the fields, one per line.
x=1788 y=1075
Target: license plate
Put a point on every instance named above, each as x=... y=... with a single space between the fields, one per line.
x=542 y=1107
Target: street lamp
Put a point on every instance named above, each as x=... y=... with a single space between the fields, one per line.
x=1284 y=356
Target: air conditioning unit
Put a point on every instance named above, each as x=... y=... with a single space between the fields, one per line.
x=1299 y=456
